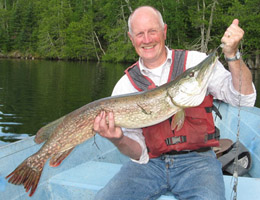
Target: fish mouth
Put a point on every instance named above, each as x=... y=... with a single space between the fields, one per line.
x=205 y=75
x=206 y=70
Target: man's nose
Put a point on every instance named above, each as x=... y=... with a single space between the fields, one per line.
x=147 y=38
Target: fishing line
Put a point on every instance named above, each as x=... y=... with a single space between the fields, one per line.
x=220 y=46
x=219 y=102
x=94 y=142
x=235 y=172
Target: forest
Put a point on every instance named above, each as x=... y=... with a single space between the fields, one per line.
x=97 y=29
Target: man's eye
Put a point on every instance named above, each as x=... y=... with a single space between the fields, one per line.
x=153 y=31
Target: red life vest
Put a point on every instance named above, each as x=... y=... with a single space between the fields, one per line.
x=198 y=129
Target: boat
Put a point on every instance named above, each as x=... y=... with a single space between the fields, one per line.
x=92 y=164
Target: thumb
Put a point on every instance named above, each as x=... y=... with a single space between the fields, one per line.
x=235 y=22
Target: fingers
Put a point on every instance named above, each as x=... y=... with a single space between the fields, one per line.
x=235 y=22
x=97 y=122
x=231 y=38
x=234 y=30
x=111 y=122
x=105 y=124
x=100 y=124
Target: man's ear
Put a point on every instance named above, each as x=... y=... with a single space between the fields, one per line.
x=165 y=31
x=130 y=37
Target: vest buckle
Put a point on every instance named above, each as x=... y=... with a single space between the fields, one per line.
x=175 y=140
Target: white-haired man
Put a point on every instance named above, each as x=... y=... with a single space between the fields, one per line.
x=153 y=170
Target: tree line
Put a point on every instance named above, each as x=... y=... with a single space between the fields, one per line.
x=97 y=29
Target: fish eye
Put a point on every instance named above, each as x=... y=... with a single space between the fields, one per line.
x=191 y=74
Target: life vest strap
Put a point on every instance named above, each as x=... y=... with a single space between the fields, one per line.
x=215 y=109
x=182 y=139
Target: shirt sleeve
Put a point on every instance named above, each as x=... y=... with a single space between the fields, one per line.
x=124 y=86
x=221 y=87
x=220 y=83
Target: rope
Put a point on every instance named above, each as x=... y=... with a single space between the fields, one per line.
x=235 y=173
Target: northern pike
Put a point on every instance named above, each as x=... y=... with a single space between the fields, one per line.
x=136 y=110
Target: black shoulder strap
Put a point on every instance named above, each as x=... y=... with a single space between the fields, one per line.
x=180 y=57
x=138 y=80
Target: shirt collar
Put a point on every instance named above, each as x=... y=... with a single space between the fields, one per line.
x=156 y=71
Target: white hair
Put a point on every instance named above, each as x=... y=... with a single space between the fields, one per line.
x=132 y=14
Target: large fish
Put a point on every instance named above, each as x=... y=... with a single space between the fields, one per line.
x=134 y=110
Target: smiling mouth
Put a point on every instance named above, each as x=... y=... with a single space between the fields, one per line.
x=148 y=47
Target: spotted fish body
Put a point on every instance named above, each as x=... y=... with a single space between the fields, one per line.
x=134 y=110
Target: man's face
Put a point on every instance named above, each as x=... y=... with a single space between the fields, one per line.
x=148 y=38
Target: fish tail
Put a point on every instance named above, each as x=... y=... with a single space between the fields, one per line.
x=27 y=175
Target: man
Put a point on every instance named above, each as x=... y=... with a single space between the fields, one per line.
x=187 y=174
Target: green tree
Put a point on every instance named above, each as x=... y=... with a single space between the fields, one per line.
x=54 y=21
x=97 y=30
x=202 y=15
x=249 y=22
x=4 y=34
x=79 y=40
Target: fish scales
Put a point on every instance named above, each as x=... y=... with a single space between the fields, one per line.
x=135 y=110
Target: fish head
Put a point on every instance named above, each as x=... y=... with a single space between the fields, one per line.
x=189 y=89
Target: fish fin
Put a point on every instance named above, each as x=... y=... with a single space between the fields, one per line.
x=26 y=175
x=59 y=157
x=178 y=120
x=45 y=132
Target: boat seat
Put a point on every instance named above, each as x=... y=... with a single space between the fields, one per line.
x=83 y=182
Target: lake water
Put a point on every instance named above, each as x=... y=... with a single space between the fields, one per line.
x=33 y=93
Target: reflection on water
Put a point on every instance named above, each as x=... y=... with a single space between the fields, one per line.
x=34 y=93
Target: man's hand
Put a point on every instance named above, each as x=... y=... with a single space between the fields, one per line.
x=231 y=39
x=241 y=75
x=105 y=126
x=107 y=130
